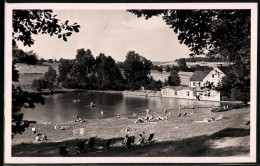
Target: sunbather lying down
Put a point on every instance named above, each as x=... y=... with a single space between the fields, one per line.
x=151 y=118
x=212 y=119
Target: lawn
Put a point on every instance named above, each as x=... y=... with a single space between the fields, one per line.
x=176 y=137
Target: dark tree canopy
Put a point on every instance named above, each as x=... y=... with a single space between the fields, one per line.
x=108 y=73
x=160 y=69
x=167 y=69
x=182 y=64
x=137 y=69
x=174 y=79
x=39 y=84
x=28 y=22
x=51 y=77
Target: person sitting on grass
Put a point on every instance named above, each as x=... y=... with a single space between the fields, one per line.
x=147 y=111
x=127 y=129
x=139 y=119
x=44 y=137
x=37 y=139
x=126 y=142
x=179 y=115
x=141 y=139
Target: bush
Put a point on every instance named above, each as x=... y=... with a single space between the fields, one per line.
x=238 y=95
x=225 y=98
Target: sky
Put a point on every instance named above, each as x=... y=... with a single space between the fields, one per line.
x=114 y=33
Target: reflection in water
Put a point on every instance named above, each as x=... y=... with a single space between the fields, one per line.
x=61 y=108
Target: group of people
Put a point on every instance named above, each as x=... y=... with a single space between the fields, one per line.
x=219 y=109
x=151 y=118
x=38 y=134
x=128 y=141
x=78 y=119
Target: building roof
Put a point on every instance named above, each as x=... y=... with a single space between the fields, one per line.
x=198 y=75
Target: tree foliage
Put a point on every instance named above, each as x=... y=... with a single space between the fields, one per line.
x=39 y=84
x=29 y=22
x=174 y=79
x=167 y=69
x=182 y=64
x=137 y=69
x=20 y=56
x=204 y=59
x=108 y=73
x=86 y=72
x=160 y=69
x=51 y=77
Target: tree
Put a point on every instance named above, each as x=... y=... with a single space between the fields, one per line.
x=25 y=23
x=232 y=82
x=216 y=33
x=51 y=77
x=65 y=67
x=160 y=69
x=39 y=84
x=174 y=79
x=20 y=56
x=109 y=76
x=239 y=95
x=28 y=22
x=168 y=69
x=82 y=68
x=182 y=64
x=137 y=69
x=153 y=84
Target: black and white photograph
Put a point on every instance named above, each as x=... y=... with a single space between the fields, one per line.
x=130 y=83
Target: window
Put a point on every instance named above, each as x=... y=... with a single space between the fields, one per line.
x=194 y=83
x=175 y=93
x=165 y=92
x=212 y=75
x=188 y=93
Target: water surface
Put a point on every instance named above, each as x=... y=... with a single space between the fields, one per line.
x=61 y=108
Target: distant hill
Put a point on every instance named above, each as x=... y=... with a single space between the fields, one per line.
x=158 y=63
x=171 y=63
x=203 y=59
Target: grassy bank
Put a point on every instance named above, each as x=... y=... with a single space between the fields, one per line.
x=175 y=137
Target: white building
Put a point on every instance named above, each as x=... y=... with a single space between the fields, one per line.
x=199 y=78
x=196 y=89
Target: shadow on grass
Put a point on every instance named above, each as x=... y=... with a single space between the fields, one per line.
x=190 y=147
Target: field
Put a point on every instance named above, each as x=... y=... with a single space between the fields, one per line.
x=184 y=76
x=183 y=136
x=27 y=73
